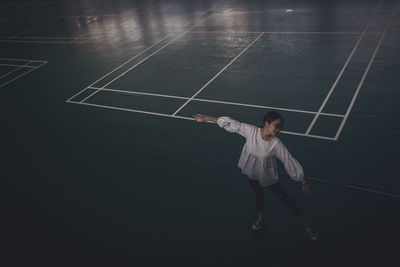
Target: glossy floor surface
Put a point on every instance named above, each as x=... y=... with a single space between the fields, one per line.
x=102 y=163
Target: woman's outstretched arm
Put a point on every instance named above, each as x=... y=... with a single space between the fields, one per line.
x=227 y=123
x=204 y=118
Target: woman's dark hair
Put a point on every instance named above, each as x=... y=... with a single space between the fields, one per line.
x=270 y=116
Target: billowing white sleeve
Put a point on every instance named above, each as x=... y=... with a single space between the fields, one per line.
x=234 y=126
x=292 y=166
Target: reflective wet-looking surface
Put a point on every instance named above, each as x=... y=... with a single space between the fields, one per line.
x=103 y=164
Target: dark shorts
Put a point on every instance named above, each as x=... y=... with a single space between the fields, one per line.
x=278 y=192
x=276 y=188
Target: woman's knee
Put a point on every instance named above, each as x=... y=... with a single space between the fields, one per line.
x=259 y=194
x=278 y=191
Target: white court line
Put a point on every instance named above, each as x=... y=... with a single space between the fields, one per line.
x=19 y=76
x=89 y=16
x=214 y=101
x=275 y=32
x=73 y=39
x=264 y=107
x=4 y=75
x=203 y=14
x=17 y=69
x=137 y=93
x=366 y=72
x=79 y=42
x=342 y=71
x=177 y=117
x=327 y=181
x=134 y=66
x=126 y=62
x=123 y=64
x=120 y=66
x=80 y=38
x=86 y=40
x=41 y=42
x=42 y=63
x=362 y=188
x=35 y=27
x=213 y=78
x=357 y=187
x=32 y=69
x=309 y=135
x=18 y=59
x=41 y=37
x=12 y=65
x=140 y=62
x=127 y=109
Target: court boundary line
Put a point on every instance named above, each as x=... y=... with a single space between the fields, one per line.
x=179 y=117
x=322 y=106
x=72 y=41
x=18 y=59
x=357 y=187
x=279 y=32
x=229 y=166
x=8 y=73
x=68 y=40
x=215 y=101
x=11 y=65
x=31 y=68
x=134 y=66
x=219 y=73
x=19 y=76
x=199 y=17
x=42 y=42
x=182 y=117
x=41 y=37
x=82 y=40
x=10 y=39
x=18 y=67
x=352 y=186
x=366 y=71
x=35 y=27
x=120 y=66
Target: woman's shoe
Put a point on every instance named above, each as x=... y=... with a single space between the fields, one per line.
x=258 y=224
x=311 y=231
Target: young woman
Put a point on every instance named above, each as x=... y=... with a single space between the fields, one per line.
x=258 y=163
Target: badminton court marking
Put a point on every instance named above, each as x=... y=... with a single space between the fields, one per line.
x=21 y=37
x=192 y=22
x=19 y=68
x=364 y=75
x=367 y=70
x=193 y=98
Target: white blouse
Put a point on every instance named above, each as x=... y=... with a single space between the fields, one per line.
x=257 y=160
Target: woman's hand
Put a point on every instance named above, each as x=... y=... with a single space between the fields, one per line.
x=204 y=118
x=305 y=187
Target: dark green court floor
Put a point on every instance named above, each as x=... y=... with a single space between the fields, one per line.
x=96 y=171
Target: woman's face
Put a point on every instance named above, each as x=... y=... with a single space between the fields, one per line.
x=274 y=127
